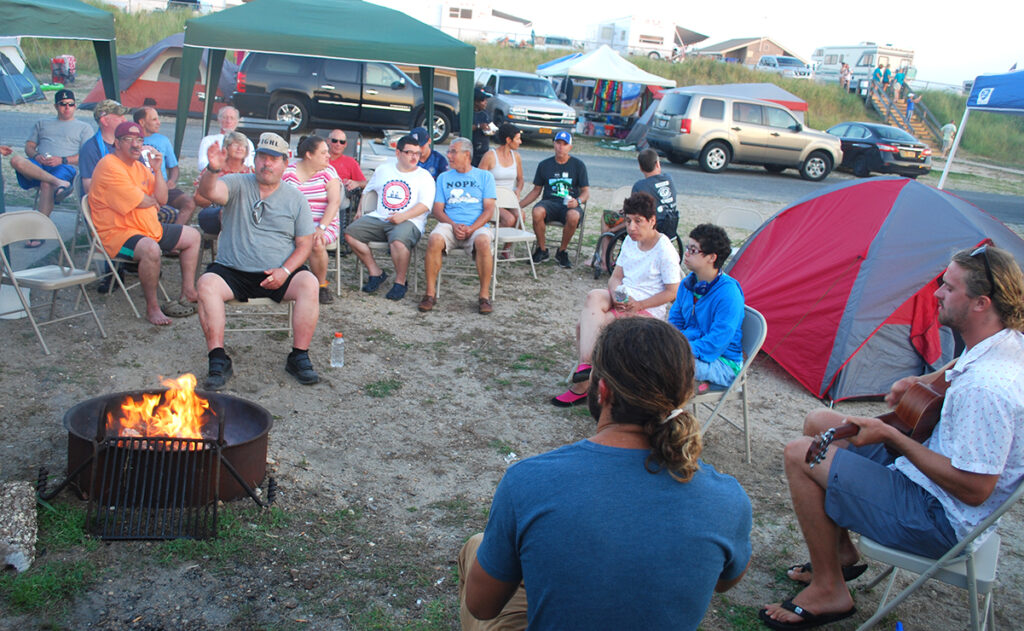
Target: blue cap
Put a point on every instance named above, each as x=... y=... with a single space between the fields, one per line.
x=564 y=136
x=421 y=135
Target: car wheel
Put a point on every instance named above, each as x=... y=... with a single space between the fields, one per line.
x=653 y=55
x=816 y=167
x=292 y=110
x=499 y=117
x=774 y=168
x=442 y=125
x=714 y=157
x=676 y=158
x=860 y=166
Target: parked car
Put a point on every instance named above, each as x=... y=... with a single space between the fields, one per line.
x=786 y=66
x=310 y=91
x=525 y=99
x=880 y=148
x=717 y=129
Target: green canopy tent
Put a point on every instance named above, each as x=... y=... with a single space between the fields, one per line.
x=341 y=29
x=65 y=19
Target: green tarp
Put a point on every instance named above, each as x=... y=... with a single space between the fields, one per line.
x=343 y=29
x=65 y=19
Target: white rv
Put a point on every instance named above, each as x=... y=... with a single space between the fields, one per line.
x=862 y=58
x=657 y=38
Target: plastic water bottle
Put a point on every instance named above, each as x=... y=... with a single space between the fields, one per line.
x=338 y=351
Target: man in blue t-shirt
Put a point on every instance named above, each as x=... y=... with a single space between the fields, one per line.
x=624 y=530
x=149 y=121
x=464 y=203
x=433 y=162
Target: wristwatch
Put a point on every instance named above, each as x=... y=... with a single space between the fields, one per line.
x=64 y=160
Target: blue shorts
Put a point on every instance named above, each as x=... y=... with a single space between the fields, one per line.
x=64 y=172
x=866 y=496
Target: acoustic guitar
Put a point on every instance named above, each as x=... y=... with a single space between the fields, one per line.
x=915 y=415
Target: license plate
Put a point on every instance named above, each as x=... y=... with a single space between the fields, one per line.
x=908 y=154
x=544 y=130
x=662 y=122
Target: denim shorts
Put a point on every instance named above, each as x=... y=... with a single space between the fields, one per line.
x=866 y=496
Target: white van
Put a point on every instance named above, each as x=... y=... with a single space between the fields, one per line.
x=862 y=58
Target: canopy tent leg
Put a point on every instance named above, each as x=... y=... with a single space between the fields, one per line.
x=952 y=150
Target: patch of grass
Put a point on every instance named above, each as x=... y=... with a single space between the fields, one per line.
x=739 y=617
x=503 y=447
x=46 y=586
x=382 y=388
x=62 y=526
x=531 y=361
x=457 y=511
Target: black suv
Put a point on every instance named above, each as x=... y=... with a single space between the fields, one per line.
x=307 y=91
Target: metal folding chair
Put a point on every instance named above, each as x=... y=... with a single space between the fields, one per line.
x=513 y=235
x=368 y=201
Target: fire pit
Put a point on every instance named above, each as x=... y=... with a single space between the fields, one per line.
x=153 y=464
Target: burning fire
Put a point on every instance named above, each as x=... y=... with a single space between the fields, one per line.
x=179 y=415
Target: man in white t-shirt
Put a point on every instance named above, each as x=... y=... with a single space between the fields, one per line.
x=405 y=194
x=948 y=132
x=227 y=117
x=935 y=492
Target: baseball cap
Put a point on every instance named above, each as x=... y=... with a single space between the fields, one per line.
x=128 y=128
x=108 y=106
x=480 y=94
x=272 y=144
x=63 y=94
x=564 y=136
x=421 y=135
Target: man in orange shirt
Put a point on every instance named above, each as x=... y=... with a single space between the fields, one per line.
x=124 y=199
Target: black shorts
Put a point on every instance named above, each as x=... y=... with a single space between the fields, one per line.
x=246 y=285
x=557 y=211
x=172 y=234
x=668 y=223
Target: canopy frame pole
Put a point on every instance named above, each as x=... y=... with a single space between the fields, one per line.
x=952 y=150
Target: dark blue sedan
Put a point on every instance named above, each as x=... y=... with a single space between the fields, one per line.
x=872 y=147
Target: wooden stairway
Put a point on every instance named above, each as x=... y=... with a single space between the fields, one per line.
x=895 y=117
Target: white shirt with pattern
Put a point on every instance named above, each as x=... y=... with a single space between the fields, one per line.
x=982 y=426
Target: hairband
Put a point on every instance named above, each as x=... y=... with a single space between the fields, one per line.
x=671 y=415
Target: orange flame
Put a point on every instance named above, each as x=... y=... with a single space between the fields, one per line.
x=179 y=416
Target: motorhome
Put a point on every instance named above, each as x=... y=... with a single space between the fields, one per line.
x=657 y=38
x=863 y=58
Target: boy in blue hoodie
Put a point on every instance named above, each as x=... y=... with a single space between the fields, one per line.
x=709 y=307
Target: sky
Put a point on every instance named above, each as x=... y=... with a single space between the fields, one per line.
x=952 y=41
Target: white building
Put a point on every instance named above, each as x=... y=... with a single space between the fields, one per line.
x=470 y=20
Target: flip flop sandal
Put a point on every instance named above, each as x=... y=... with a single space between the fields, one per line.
x=809 y=620
x=61 y=193
x=32 y=244
x=178 y=309
x=568 y=399
x=850 y=572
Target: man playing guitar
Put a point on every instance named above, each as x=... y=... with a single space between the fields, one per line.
x=924 y=501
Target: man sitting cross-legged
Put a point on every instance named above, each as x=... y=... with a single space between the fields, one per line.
x=266 y=236
x=463 y=205
x=935 y=492
x=405 y=193
x=124 y=198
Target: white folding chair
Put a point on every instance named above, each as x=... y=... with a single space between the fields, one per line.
x=366 y=204
x=740 y=218
x=29 y=224
x=755 y=329
x=511 y=235
x=968 y=565
x=99 y=256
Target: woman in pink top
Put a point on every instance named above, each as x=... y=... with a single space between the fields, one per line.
x=317 y=180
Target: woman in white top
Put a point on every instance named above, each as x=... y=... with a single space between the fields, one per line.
x=645 y=280
x=507 y=167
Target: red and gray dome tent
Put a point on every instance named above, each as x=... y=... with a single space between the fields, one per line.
x=845 y=279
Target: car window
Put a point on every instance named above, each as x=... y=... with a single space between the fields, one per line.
x=381 y=74
x=491 y=83
x=774 y=117
x=894 y=133
x=526 y=86
x=341 y=70
x=839 y=130
x=674 y=104
x=790 y=61
x=281 y=64
x=858 y=132
x=746 y=113
x=712 y=108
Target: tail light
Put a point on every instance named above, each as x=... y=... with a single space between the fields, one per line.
x=240 y=82
x=887 y=148
x=927 y=151
x=684 y=126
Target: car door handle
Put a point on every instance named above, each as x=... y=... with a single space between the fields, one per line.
x=737 y=128
x=326 y=87
x=371 y=91
x=776 y=134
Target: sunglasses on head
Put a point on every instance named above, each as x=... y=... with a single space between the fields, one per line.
x=340 y=141
x=257 y=210
x=983 y=251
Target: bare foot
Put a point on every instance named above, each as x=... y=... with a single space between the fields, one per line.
x=157 y=317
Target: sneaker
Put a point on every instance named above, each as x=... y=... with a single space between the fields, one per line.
x=218 y=374
x=427 y=304
x=326 y=296
x=374 y=283
x=563 y=259
x=300 y=367
x=539 y=255
x=485 y=307
x=397 y=292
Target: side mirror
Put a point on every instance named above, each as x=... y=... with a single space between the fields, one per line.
x=797 y=128
x=398 y=84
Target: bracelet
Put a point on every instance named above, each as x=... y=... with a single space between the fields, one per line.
x=286 y=270
x=213 y=171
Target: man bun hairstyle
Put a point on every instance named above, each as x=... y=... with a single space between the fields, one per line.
x=648 y=369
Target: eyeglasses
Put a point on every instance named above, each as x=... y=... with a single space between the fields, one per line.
x=983 y=251
x=257 y=210
x=135 y=140
x=340 y=141
x=411 y=153
x=66 y=104
x=693 y=249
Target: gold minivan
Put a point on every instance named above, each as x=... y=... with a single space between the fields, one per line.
x=717 y=129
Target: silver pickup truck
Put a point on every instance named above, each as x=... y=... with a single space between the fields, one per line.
x=525 y=99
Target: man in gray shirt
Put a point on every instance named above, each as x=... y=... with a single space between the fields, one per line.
x=52 y=152
x=265 y=239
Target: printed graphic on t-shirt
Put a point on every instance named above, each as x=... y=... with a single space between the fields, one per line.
x=396 y=196
x=460 y=196
x=561 y=184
